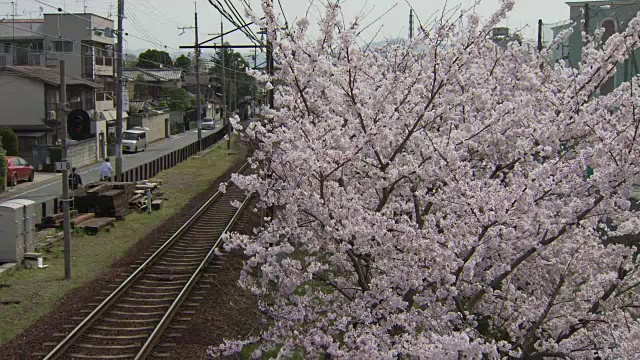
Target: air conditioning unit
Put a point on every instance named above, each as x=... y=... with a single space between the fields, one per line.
x=52 y=115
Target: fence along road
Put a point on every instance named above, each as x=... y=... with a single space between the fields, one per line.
x=52 y=189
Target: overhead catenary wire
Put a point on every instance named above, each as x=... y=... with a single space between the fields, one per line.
x=61 y=10
x=153 y=11
x=137 y=24
x=229 y=18
x=75 y=42
x=80 y=55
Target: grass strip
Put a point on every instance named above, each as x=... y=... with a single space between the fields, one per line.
x=28 y=294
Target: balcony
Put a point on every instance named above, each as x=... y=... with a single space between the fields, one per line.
x=104 y=101
x=32 y=59
x=104 y=65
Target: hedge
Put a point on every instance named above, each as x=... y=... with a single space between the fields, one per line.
x=9 y=141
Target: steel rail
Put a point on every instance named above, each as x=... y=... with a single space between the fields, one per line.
x=155 y=336
x=126 y=284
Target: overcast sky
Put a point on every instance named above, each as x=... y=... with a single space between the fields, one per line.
x=154 y=23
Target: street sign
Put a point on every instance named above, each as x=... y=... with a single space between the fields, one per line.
x=61 y=166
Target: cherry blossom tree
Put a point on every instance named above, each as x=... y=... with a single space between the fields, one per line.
x=432 y=201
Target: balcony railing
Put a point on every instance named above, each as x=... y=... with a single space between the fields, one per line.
x=104 y=96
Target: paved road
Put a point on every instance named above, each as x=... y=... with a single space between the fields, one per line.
x=52 y=187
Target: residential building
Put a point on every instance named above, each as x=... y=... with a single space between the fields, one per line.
x=205 y=65
x=84 y=41
x=211 y=91
x=561 y=53
x=502 y=36
x=146 y=84
x=611 y=15
x=29 y=96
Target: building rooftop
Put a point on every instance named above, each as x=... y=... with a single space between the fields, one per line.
x=152 y=75
x=79 y=14
x=47 y=75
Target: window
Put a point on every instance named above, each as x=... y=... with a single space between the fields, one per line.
x=129 y=136
x=7 y=48
x=143 y=135
x=62 y=46
x=36 y=46
x=15 y=162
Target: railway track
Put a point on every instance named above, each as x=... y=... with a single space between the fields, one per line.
x=130 y=321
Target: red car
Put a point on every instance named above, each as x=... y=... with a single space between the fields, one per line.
x=18 y=170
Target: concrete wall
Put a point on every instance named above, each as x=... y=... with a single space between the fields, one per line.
x=70 y=28
x=74 y=28
x=83 y=153
x=21 y=100
x=176 y=116
x=99 y=126
x=156 y=123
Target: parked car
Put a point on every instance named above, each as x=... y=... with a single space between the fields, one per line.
x=134 y=140
x=18 y=169
x=208 y=124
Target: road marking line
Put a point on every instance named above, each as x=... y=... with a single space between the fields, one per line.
x=56 y=182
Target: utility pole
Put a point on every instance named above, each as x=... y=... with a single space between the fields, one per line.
x=539 y=35
x=198 y=100
x=410 y=24
x=270 y=70
x=586 y=19
x=224 y=86
x=255 y=66
x=62 y=116
x=119 y=90
x=236 y=109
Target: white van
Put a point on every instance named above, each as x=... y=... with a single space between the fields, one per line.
x=208 y=124
x=134 y=140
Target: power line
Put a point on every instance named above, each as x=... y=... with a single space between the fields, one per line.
x=136 y=23
x=141 y=29
x=75 y=42
x=243 y=27
x=149 y=9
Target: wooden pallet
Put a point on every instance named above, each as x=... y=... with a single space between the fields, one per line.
x=94 y=225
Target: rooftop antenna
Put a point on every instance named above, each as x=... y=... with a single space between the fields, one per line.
x=84 y=5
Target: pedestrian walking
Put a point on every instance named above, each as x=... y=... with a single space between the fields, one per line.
x=75 y=181
x=106 y=171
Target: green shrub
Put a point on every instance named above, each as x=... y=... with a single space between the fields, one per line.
x=9 y=141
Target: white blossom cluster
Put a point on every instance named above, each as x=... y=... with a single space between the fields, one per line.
x=432 y=200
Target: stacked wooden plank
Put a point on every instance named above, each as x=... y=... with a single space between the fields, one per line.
x=94 y=225
x=109 y=199
x=55 y=220
x=146 y=192
x=75 y=220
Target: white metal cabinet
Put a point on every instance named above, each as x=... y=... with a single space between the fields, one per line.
x=17 y=229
